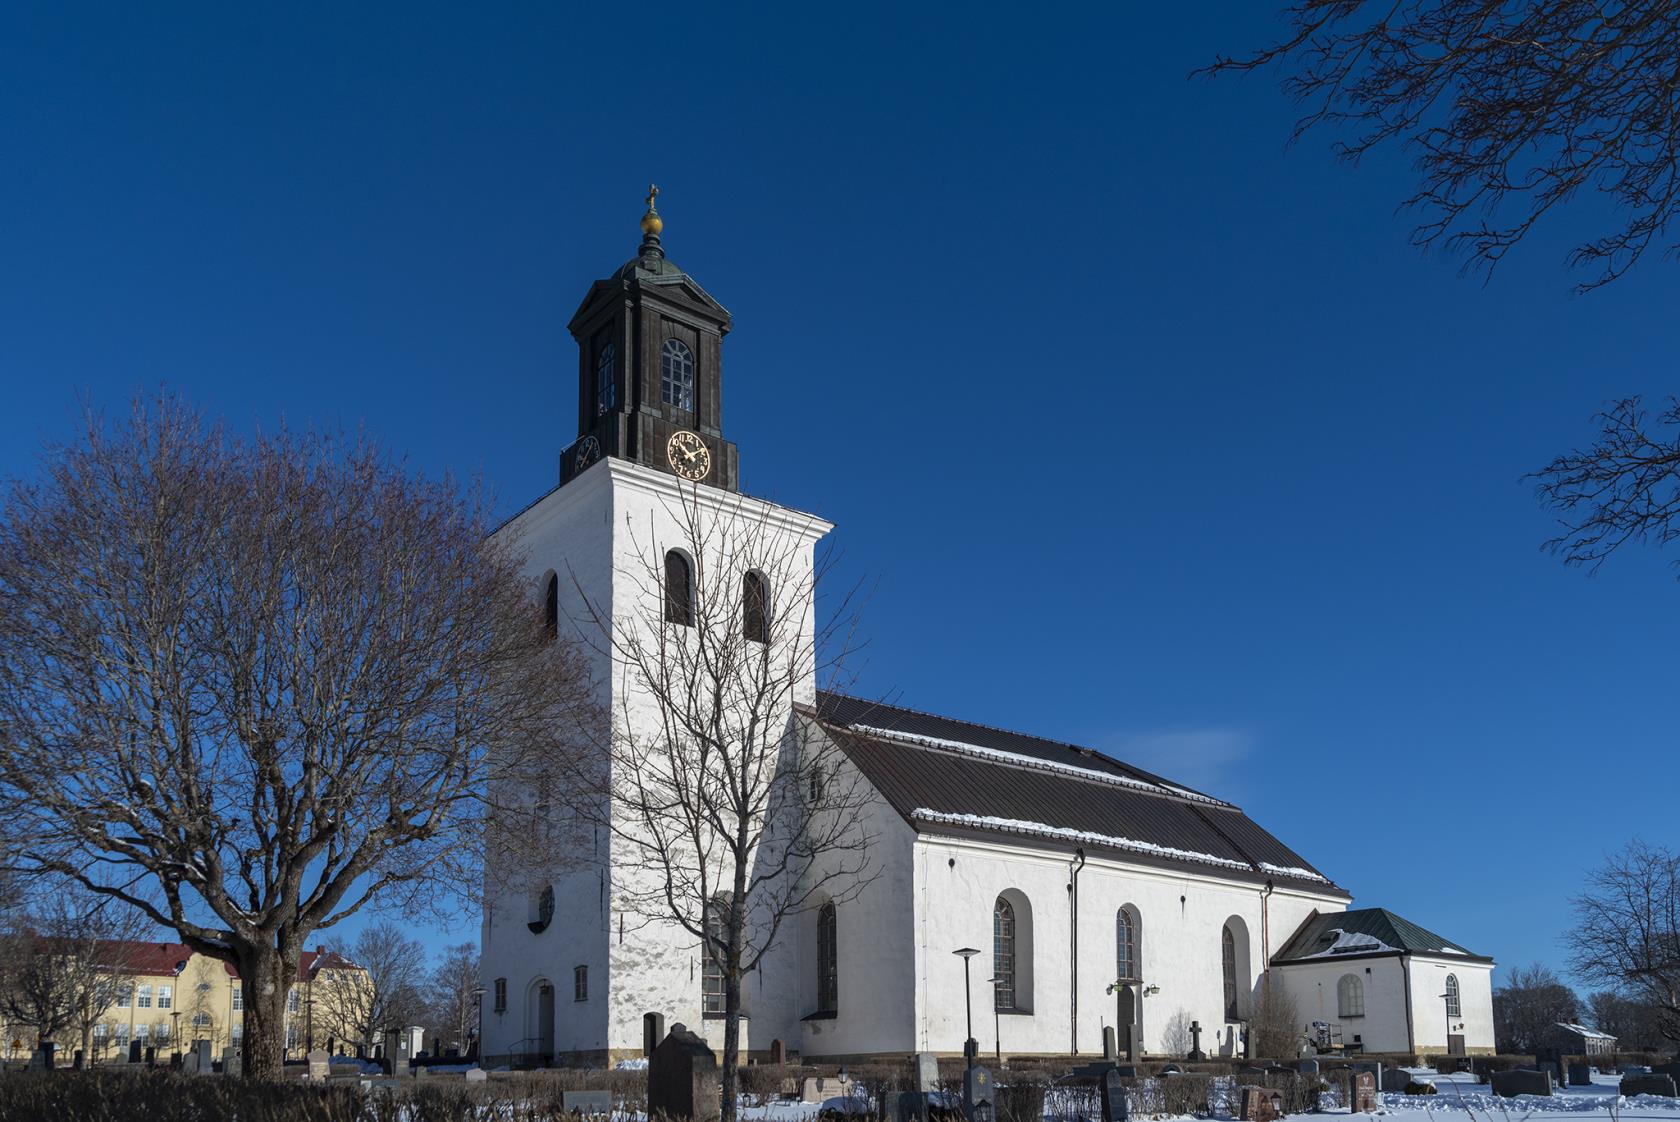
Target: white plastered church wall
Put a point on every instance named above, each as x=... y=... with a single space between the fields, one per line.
x=1182 y=916
x=1382 y=1027
x=1429 y=1011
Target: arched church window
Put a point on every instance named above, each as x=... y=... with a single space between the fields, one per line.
x=713 y=999
x=1003 y=954
x=1126 y=946
x=676 y=374
x=551 y=607
x=542 y=910
x=1350 y=996
x=679 y=589
x=1452 y=996
x=1228 y=957
x=828 y=959
x=755 y=607
x=606 y=384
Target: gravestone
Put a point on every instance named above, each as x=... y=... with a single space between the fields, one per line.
x=318 y=1068
x=1260 y=1104
x=1196 y=1053
x=1307 y=1067
x=778 y=1054
x=42 y=1059
x=1647 y=1085
x=1509 y=1084
x=1364 y=1092
x=1580 y=1075
x=134 y=1048
x=477 y=1075
x=819 y=1089
x=925 y=1069
x=77 y=1060
x=979 y=1095
x=1111 y=1047
x=1671 y=1070
x=1551 y=1068
x=151 y=1056
x=683 y=1078
x=909 y=1106
x=591 y=1104
x=231 y=1063
x=1396 y=1079
x=1116 y=1104
x=653 y=1031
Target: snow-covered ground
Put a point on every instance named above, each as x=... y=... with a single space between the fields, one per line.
x=1461 y=1094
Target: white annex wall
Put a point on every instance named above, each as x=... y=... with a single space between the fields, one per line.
x=1383 y=1025
x=1475 y=987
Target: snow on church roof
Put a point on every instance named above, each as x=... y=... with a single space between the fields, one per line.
x=939 y=772
x=1364 y=932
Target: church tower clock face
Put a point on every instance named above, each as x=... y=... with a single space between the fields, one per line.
x=688 y=455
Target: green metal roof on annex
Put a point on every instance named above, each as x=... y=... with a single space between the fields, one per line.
x=1365 y=933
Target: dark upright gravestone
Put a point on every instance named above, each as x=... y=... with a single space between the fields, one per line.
x=1647 y=1085
x=1111 y=1047
x=1509 y=1084
x=77 y=1061
x=979 y=1095
x=1307 y=1067
x=1580 y=1075
x=1116 y=1106
x=778 y=1055
x=151 y=1056
x=134 y=1048
x=683 y=1078
x=1196 y=1053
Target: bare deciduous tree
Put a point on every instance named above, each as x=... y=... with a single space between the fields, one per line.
x=454 y=996
x=1626 y=932
x=730 y=814
x=1276 y=1031
x=1624 y=487
x=249 y=686
x=64 y=962
x=1511 y=109
x=360 y=1006
x=1532 y=1000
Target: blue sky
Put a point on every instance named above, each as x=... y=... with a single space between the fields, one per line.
x=1152 y=433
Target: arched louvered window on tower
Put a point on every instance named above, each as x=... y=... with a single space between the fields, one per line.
x=551 y=607
x=755 y=607
x=676 y=374
x=679 y=589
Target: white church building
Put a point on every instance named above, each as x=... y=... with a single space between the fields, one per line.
x=1090 y=893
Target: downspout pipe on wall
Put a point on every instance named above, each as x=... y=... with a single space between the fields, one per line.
x=1073 y=958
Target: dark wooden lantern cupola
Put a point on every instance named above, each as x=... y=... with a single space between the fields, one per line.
x=650 y=365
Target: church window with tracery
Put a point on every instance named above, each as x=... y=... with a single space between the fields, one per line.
x=1452 y=996
x=1228 y=964
x=1003 y=955
x=676 y=375
x=828 y=959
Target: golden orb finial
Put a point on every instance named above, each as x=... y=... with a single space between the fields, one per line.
x=652 y=224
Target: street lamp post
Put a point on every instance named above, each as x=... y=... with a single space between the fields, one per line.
x=971 y=1047
x=309 y=1023
x=176 y=1040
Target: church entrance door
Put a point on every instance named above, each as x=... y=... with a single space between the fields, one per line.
x=1127 y=1020
x=542 y=1023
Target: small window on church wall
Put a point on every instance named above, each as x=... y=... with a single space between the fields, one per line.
x=1350 y=996
x=1126 y=949
x=542 y=910
x=676 y=375
x=755 y=607
x=1003 y=954
x=1228 y=956
x=501 y=995
x=1452 y=996
x=679 y=590
x=828 y=959
x=580 y=983
x=551 y=607
x=606 y=384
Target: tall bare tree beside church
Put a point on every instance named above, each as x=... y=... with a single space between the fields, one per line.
x=728 y=822
x=252 y=686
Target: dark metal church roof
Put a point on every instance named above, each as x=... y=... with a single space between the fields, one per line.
x=1365 y=933
x=955 y=776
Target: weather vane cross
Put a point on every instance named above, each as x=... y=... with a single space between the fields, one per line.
x=653 y=193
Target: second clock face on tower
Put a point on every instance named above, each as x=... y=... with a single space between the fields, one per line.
x=688 y=455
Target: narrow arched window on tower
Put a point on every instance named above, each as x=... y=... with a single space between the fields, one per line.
x=828 y=959
x=676 y=374
x=551 y=607
x=755 y=607
x=606 y=384
x=679 y=590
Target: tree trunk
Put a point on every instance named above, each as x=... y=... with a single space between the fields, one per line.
x=731 y=1037
x=265 y=976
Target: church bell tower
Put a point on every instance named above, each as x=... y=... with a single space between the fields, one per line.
x=650 y=370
